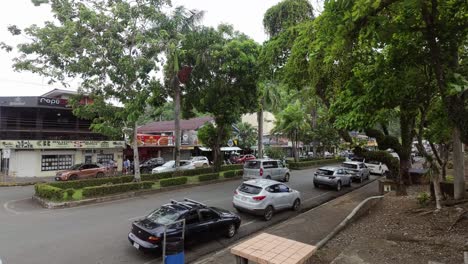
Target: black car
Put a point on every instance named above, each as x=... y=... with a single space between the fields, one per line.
x=201 y=221
x=149 y=165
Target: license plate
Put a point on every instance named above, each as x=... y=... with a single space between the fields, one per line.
x=137 y=246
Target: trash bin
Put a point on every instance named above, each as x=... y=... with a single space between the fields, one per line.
x=174 y=250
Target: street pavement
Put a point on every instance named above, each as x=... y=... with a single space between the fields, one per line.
x=98 y=233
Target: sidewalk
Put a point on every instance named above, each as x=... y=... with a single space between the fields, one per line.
x=311 y=226
x=10 y=180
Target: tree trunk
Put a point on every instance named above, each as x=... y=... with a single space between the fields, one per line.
x=177 y=123
x=260 y=133
x=294 y=147
x=458 y=165
x=217 y=148
x=407 y=124
x=136 y=157
x=437 y=191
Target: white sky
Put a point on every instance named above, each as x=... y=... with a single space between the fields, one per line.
x=245 y=15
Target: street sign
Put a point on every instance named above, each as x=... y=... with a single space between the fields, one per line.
x=230 y=143
x=6 y=155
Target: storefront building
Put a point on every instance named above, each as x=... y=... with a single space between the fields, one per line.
x=40 y=136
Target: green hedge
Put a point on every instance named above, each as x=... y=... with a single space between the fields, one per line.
x=232 y=167
x=195 y=172
x=48 y=192
x=91 y=182
x=115 y=188
x=173 y=181
x=305 y=164
x=208 y=177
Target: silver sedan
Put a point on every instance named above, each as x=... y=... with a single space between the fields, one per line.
x=264 y=197
x=335 y=177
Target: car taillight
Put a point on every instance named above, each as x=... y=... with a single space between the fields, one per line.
x=259 y=198
x=261 y=171
x=153 y=239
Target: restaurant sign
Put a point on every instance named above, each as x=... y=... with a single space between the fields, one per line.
x=145 y=140
x=59 y=144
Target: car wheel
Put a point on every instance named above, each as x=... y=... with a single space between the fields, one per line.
x=231 y=231
x=316 y=185
x=73 y=177
x=338 y=186
x=268 y=214
x=286 y=177
x=99 y=175
x=297 y=205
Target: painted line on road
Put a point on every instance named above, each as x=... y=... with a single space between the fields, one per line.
x=8 y=209
x=248 y=223
x=315 y=197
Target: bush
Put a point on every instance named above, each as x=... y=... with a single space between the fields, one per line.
x=230 y=174
x=48 y=192
x=423 y=198
x=304 y=164
x=91 y=182
x=115 y=188
x=195 y=172
x=157 y=176
x=173 y=181
x=70 y=193
x=208 y=177
x=240 y=172
x=449 y=178
x=232 y=167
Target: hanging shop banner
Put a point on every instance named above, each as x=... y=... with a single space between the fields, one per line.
x=59 y=144
x=145 y=140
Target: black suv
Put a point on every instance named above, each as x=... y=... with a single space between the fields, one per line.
x=147 y=166
x=201 y=221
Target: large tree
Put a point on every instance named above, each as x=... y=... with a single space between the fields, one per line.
x=224 y=81
x=111 y=47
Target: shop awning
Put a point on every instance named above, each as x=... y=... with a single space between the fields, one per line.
x=222 y=149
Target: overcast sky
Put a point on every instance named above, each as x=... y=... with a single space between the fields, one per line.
x=245 y=15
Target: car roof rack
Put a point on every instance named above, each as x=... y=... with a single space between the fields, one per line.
x=195 y=202
x=181 y=204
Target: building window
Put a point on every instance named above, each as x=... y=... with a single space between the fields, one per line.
x=104 y=158
x=56 y=162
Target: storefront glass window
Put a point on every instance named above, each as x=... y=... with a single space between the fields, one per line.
x=56 y=162
x=104 y=158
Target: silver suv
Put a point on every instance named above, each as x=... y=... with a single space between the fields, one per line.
x=266 y=169
x=358 y=169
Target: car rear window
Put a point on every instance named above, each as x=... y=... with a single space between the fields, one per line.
x=250 y=189
x=350 y=166
x=252 y=164
x=325 y=172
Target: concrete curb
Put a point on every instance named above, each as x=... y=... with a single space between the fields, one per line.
x=57 y=205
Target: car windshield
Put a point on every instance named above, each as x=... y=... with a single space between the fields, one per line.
x=169 y=164
x=250 y=189
x=252 y=164
x=325 y=172
x=374 y=162
x=164 y=215
x=75 y=167
x=350 y=166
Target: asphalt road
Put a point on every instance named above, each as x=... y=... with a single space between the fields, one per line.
x=30 y=234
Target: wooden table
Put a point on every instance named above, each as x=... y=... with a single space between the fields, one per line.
x=270 y=249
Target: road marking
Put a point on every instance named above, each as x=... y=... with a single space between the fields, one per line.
x=312 y=198
x=8 y=209
x=248 y=223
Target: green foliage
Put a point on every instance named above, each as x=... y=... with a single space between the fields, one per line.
x=423 y=198
x=306 y=164
x=392 y=163
x=285 y=14
x=208 y=177
x=173 y=181
x=274 y=153
x=230 y=174
x=110 y=188
x=90 y=182
x=246 y=135
x=70 y=193
x=449 y=178
x=232 y=167
x=207 y=135
x=48 y=192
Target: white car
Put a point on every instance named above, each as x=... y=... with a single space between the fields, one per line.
x=376 y=167
x=264 y=197
x=200 y=161
x=170 y=166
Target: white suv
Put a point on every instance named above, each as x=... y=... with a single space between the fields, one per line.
x=200 y=161
x=266 y=169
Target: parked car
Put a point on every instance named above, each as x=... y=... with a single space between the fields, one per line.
x=264 y=197
x=358 y=169
x=81 y=171
x=266 y=169
x=170 y=166
x=376 y=167
x=328 y=155
x=242 y=159
x=200 y=161
x=335 y=177
x=149 y=165
x=201 y=221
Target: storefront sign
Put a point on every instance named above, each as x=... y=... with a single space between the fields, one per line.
x=59 y=144
x=52 y=102
x=145 y=140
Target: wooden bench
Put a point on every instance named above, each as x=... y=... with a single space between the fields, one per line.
x=270 y=249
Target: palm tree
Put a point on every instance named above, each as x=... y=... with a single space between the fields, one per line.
x=179 y=24
x=245 y=134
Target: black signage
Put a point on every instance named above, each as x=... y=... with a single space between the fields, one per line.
x=52 y=102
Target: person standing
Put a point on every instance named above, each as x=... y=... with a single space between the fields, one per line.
x=126 y=165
